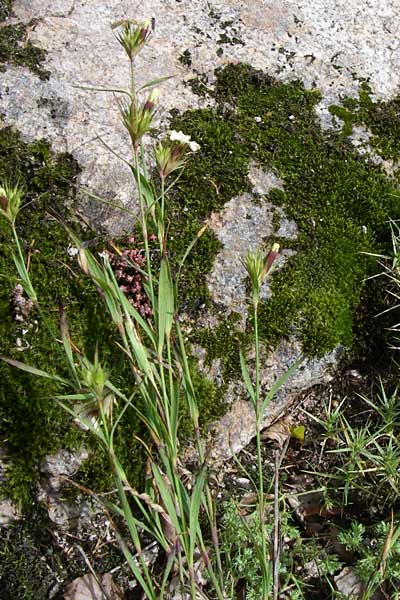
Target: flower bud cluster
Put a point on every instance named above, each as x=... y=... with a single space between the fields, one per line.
x=95 y=379
x=94 y=376
x=133 y=36
x=10 y=201
x=129 y=279
x=138 y=118
x=259 y=266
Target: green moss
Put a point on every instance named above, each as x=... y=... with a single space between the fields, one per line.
x=185 y=58
x=27 y=561
x=16 y=49
x=344 y=115
x=381 y=118
x=223 y=343
x=5 y=9
x=198 y=85
x=340 y=201
x=232 y=40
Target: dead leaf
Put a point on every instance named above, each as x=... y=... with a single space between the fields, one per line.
x=279 y=432
x=248 y=503
x=87 y=588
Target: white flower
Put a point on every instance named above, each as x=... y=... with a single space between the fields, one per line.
x=72 y=251
x=179 y=136
x=182 y=138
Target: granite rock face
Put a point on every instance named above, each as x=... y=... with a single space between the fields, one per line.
x=327 y=45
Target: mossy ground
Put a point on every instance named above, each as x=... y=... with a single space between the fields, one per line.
x=25 y=557
x=340 y=200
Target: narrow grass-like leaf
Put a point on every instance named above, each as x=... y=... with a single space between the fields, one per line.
x=108 y=202
x=246 y=377
x=190 y=248
x=97 y=432
x=139 y=349
x=278 y=384
x=188 y=384
x=195 y=502
x=145 y=584
x=76 y=397
x=24 y=276
x=32 y=370
x=155 y=82
x=146 y=187
x=165 y=305
x=167 y=499
x=89 y=88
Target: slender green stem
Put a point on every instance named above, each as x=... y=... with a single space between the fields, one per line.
x=161 y=232
x=144 y=229
x=258 y=419
x=133 y=84
x=130 y=519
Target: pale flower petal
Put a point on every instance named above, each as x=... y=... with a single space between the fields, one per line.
x=194 y=146
x=179 y=136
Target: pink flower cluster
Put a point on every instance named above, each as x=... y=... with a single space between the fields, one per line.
x=129 y=279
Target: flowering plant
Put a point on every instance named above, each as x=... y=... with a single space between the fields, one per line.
x=172 y=154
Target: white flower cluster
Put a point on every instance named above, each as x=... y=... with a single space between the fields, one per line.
x=179 y=136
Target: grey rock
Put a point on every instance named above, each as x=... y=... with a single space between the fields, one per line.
x=73 y=513
x=349 y=584
x=8 y=513
x=243 y=225
x=63 y=463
